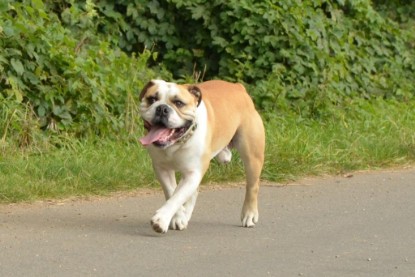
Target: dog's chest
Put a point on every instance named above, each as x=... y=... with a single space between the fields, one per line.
x=175 y=158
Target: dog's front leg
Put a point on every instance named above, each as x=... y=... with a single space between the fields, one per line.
x=167 y=179
x=184 y=191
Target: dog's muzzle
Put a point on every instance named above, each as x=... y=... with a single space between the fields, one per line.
x=161 y=116
x=160 y=135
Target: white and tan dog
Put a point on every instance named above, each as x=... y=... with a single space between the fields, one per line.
x=188 y=125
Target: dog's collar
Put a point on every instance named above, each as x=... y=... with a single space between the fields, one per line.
x=188 y=133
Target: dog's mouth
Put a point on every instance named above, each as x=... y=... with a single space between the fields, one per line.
x=162 y=136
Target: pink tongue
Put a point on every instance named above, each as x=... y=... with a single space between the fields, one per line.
x=155 y=134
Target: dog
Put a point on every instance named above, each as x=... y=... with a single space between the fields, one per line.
x=188 y=126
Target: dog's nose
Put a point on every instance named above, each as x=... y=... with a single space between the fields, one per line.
x=162 y=110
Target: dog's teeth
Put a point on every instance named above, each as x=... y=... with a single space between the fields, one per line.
x=170 y=134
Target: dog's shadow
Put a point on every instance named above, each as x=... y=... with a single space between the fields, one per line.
x=120 y=225
x=127 y=225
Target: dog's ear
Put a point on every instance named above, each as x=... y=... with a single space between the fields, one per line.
x=195 y=91
x=146 y=87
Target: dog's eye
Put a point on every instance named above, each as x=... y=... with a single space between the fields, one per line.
x=151 y=100
x=178 y=103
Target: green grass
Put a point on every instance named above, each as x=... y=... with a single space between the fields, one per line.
x=370 y=136
x=84 y=169
x=367 y=136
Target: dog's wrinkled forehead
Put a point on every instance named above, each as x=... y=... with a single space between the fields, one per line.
x=166 y=91
x=160 y=88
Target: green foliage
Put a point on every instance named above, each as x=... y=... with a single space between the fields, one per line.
x=61 y=80
x=62 y=68
x=402 y=12
x=310 y=56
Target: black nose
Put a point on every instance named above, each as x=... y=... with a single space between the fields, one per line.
x=162 y=110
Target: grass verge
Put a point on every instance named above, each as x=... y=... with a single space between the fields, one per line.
x=365 y=136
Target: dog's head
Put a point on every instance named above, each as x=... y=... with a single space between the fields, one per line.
x=168 y=111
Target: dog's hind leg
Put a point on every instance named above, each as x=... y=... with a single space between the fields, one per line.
x=251 y=146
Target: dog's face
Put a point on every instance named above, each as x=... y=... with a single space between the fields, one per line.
x=168 y=111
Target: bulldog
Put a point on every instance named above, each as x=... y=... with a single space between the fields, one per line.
x=188 y=126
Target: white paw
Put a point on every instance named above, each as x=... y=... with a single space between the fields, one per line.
x=159 y=223
x=188 y=213
x=249 y=218
x=179 y=220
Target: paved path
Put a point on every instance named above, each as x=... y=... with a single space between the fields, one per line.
x=358 y=226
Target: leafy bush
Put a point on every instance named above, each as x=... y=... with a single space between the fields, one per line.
x=309 y=56
x=402 y=12
x=62 y=67
x=63 y=80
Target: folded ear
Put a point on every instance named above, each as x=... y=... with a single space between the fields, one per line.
x=146 y=87
x=195 y=91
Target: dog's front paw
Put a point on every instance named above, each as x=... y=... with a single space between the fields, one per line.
x=179 y=221
x=249 y=217
x=159 y=224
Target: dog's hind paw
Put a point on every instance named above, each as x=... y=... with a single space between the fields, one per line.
x=249 y=219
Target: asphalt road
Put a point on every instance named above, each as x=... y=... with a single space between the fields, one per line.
x=360 y=225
